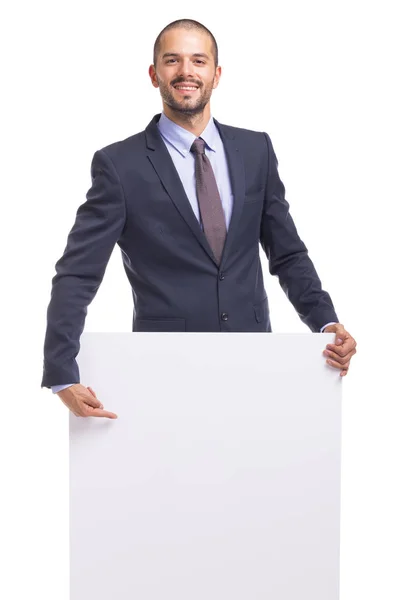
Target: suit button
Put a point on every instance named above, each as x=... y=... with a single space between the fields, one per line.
x=224 y=316
x=221 y=276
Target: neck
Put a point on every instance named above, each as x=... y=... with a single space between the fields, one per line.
x=195 y=123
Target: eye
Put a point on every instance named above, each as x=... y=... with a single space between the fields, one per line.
x=197 y=60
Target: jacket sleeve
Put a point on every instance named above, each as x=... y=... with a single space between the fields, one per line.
x=287 y=254
x=98 y=226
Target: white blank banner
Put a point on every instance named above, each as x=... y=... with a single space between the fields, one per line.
x=220 y=480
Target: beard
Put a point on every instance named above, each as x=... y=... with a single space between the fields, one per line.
x=186 y=105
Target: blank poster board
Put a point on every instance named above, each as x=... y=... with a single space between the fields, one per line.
x=220 y=480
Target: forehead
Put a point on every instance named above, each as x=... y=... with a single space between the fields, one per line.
x=186 y=41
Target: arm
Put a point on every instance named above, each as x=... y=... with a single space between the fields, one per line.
x=98 y=226
x=288 y=255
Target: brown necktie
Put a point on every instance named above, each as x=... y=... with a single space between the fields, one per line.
x=211 y=211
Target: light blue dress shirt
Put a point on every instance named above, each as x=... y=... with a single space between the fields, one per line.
x=178 y=142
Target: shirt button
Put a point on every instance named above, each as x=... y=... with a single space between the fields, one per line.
x=222 y=276
x=224 y=316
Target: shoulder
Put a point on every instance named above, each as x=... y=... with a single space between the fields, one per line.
x=254 y=144
x=118 y=151
x=246 y=136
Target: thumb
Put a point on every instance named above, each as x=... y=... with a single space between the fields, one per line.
x=339 y=338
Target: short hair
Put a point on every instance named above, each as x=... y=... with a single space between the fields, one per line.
x=185 y=24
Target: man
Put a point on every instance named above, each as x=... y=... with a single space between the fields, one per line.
x=189 y=201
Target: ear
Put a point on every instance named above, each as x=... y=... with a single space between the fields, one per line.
x=153 y=76
x=217 y=76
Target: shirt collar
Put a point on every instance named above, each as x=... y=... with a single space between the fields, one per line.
x=182 y=139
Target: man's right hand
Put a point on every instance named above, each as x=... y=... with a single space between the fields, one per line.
x=83 y=402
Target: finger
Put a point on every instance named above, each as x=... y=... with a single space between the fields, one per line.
x=90 y=402
x=333 y=356
x=339 y=358
x=94 y=394
x=337 y=365
x=98 y=412
x=346 y=348
x=340 y=336
x=345 y=370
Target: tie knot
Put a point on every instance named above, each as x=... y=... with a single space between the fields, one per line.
x=198 y=146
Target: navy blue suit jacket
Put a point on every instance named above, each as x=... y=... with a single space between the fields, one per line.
x=137 y=201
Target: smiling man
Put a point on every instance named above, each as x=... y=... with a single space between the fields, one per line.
x=186 y=72
x=189 y=201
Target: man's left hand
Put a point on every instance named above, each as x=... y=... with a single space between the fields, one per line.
x=339 y=354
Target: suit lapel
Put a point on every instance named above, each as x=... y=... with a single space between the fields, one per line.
x=163 y=164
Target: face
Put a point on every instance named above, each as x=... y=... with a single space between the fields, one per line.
x=177 y=63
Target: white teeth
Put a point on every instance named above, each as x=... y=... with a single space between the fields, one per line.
x=179 y=87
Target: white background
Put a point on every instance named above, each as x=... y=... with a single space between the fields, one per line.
x=321 y=79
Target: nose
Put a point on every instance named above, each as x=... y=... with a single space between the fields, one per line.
x=186 y=68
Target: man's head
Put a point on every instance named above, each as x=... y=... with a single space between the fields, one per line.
x=185 y=52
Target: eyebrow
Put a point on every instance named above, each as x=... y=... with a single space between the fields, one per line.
x=201 y=54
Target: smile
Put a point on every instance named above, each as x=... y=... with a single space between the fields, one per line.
x=184 y=89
